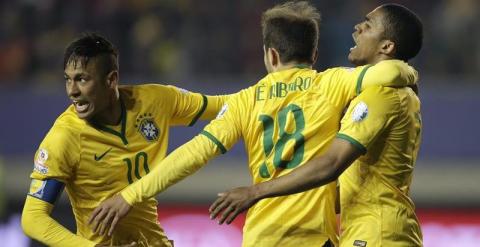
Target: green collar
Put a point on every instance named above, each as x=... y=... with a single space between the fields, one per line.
x=303 y=66
x=123 y=122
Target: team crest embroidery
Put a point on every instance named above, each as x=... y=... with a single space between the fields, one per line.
x=360 y=112
x=147 y=127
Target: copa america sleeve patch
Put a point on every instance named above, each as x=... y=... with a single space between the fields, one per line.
x=360 y=112
x=46 y=190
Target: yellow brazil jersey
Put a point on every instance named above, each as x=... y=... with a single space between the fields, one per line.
x=376 y=209
x=95 y=162
x=287 y=118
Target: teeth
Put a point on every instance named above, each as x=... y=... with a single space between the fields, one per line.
x=81 y=106
x=353 y=48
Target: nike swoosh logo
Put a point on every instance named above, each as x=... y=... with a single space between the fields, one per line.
x=97 y=158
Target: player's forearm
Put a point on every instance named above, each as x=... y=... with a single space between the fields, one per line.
x=214 y=105
x=317 y=172
x=37 y=224
x=181 y=163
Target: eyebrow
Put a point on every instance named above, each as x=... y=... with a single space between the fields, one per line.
x=76 y=75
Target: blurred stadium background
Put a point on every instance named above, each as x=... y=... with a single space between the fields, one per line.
x=214 y=47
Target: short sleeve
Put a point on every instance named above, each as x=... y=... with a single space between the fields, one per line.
x=368 y=115
x=57 y=155
x=226 y=129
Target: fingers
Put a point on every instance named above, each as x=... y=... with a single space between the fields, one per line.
x=112 y=226
x=225 y=214
x=216 y=203
x=233 y=215
x=106 y=222
x=97 y=219
x=94 y=214
x=219 y=208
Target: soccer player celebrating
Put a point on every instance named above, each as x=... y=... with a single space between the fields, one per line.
x=384 y=125
x=287 y=118
x=109 y=137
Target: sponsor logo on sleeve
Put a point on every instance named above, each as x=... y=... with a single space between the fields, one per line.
x=40 y=162
x=222 y=111
x=360 y=112
x=360 y=243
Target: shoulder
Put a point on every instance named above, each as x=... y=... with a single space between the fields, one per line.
x=69 y=123
x=157 y=91
x=380 y=96
x=395 y=71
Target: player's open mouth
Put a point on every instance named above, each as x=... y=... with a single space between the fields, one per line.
x=354 y=41
x=81 y=106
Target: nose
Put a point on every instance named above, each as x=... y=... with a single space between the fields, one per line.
x=72 y=89
x=358 y=27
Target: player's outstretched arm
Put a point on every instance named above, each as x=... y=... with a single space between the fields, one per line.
x=37 y=224
x=317 y=172
x=181 y=163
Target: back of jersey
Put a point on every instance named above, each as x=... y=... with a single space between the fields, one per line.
x=290 y=117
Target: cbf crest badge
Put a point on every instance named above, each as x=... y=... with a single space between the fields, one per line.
x=147 y=127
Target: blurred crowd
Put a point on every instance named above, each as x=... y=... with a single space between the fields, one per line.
x=179 y=39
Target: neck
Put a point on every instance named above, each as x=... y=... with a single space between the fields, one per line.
x=380 y=58
x=112 y=114
x=290 y=65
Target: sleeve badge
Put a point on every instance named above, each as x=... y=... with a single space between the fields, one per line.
x=360 y=112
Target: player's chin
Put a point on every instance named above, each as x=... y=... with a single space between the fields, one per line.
x=86 y=115
x=351 y=58
x=354 y=59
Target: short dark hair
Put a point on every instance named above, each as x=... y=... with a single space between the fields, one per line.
x=292 y=29
x=404 y=28
x=92 y=45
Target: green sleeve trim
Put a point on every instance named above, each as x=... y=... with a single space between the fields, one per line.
x=202 y=110
x=214 y=140
x=353 y=142
x=360 y=79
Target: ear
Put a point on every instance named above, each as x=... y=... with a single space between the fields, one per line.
x=112 y=79
x=315 y=57
x=387 y=47
x=274 y=57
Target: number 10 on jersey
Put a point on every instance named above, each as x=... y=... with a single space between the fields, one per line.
x=141 y=156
